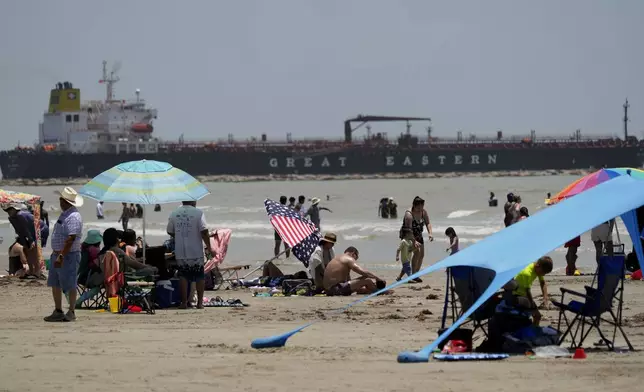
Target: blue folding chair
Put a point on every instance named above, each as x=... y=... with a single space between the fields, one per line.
x=465 y=285
x=598 y=301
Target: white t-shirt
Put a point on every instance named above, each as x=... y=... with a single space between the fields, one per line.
x=187 y=223
x=99 y=209
x=317 y=258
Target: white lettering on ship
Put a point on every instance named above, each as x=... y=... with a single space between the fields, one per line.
x=291 y=162
x=440 y=160
x=390 y=160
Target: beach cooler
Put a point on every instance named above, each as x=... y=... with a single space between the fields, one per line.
x=167 y=293
x=164 y=293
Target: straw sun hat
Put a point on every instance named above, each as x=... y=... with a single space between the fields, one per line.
x=71 y=196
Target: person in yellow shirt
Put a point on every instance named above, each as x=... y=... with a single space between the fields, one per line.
x=522 y=283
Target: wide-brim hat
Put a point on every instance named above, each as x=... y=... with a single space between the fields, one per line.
x=93 y=237
x=315 y=201
x=71 y=196
x=8 y=206
x=329 y=237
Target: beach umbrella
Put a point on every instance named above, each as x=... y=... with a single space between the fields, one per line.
x=591 y=180
x=144 y=182
x=17 y=197
x=299 y=233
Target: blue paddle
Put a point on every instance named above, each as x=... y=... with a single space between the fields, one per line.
x=280 y=340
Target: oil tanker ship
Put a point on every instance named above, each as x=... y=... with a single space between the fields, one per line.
x=82 y=139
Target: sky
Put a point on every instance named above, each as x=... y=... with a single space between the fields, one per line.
x=215 y=67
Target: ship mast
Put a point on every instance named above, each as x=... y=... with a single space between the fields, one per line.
x=626 y=106
x=110 y=80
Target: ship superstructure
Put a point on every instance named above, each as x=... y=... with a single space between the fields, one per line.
x=98 y=126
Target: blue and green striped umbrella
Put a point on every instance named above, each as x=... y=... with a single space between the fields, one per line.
x=144 y=182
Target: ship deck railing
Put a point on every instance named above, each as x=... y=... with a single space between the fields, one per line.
x=302 y=147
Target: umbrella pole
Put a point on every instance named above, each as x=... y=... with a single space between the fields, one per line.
x=144 y=242
x=263 y=264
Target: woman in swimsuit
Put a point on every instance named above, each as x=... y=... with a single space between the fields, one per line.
x=417 y=219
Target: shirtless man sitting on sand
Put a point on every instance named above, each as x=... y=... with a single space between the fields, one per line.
x=337 y=279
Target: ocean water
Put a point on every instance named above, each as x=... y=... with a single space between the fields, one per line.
x=457 y=202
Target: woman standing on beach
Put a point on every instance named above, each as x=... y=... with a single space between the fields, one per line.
x=416 y=219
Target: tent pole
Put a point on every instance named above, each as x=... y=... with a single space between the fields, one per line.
x=144 y=242
x=263 y=264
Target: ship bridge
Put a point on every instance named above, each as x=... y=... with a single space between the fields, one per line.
x=110 y=125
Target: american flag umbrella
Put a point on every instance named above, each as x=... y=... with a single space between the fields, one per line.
x=298 y=232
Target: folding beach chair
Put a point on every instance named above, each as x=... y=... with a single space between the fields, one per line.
x=227 y=277
x=132 y=288
x=604 y=300
x=91 y=296
x=465 y=287
x=137 y=293
x=91 y=293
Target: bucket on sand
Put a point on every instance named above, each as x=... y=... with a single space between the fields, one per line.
x=579 y=354
x=115 y=304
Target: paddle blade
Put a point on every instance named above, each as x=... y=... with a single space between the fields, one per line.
x=276 y=340
x=413 y=357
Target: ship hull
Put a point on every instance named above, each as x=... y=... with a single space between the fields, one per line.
x=355 y=160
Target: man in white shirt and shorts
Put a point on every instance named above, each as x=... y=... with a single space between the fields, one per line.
x=187 y=225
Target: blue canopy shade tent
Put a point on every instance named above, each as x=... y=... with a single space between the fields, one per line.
x=510 y=250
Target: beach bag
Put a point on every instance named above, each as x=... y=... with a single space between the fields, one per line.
x=302 y=287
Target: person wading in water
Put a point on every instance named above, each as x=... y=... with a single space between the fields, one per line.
x=416 y=219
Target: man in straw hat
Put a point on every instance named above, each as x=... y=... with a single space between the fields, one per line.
x=320 y=258
x=66 y=256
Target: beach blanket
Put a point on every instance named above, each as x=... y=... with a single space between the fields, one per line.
x=470 y=357
x=218 y=302
x=219 y=243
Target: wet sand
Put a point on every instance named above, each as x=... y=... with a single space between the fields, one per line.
x=353 y=351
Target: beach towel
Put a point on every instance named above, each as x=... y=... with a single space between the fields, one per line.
x=219 y=243
x=470 y=357
x=218 y=302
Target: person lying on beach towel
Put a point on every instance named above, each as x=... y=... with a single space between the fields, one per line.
x=337 y=276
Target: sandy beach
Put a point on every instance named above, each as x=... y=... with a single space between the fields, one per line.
x=353 y=351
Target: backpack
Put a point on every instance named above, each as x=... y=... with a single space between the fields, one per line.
x=301 y=287
x=402 y=226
